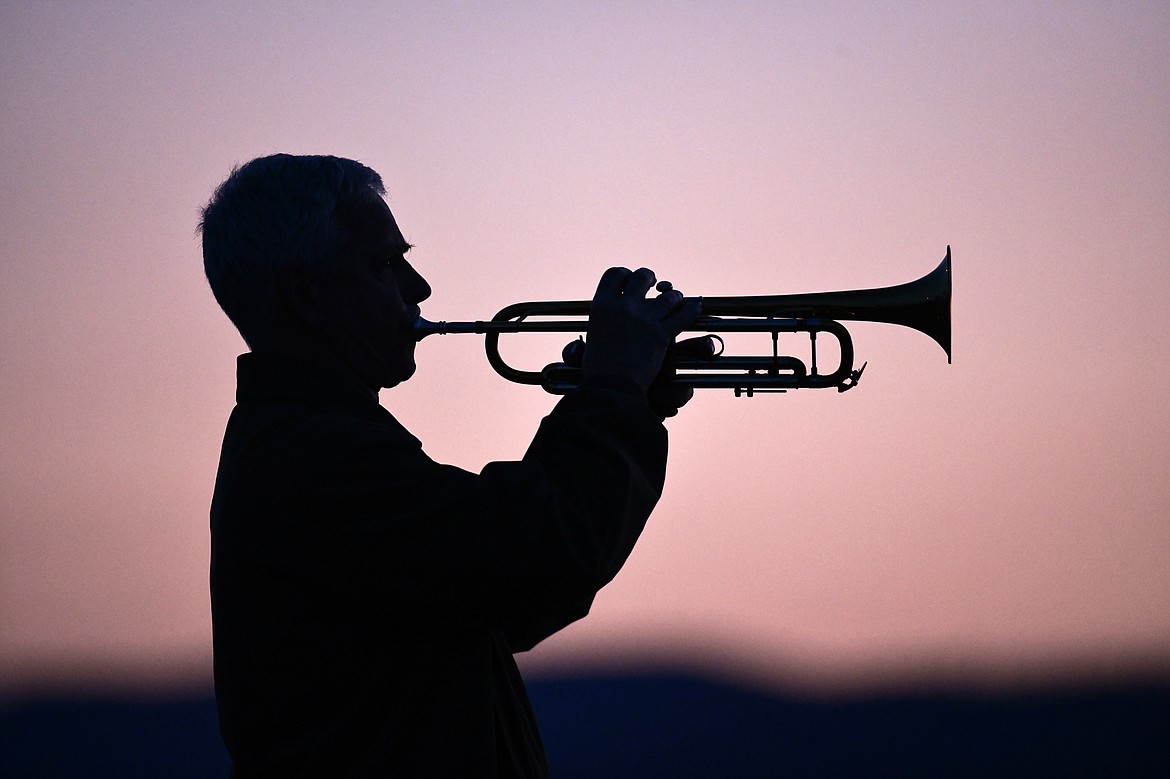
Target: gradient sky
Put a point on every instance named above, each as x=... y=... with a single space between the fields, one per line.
x=993 y=517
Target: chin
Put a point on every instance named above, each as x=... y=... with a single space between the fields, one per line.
x=397 y=377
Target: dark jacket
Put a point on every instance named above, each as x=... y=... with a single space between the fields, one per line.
x=366 y=600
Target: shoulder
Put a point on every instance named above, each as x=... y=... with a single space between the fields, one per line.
x=299 y=436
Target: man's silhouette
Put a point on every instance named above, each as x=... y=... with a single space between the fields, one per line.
x=367 y=600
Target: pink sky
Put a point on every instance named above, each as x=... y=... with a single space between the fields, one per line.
x=1000 y=515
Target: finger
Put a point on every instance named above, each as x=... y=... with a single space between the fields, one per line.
x=669 y=301
x=683 y=315
x=680 y=396
x=574 y=352
x=667 y=398
x=639 y=283
x=700 y=348
x=612 y=282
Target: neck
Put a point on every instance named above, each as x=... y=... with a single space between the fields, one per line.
x=308 y=347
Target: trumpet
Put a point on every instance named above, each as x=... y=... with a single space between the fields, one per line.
x=923 y=305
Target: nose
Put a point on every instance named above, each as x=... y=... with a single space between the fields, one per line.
x=415 y=288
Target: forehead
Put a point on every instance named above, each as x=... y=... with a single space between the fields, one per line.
x=372 y=227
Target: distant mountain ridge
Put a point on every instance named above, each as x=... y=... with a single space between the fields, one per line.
x=673 y=726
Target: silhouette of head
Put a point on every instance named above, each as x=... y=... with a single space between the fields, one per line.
x=305 y=257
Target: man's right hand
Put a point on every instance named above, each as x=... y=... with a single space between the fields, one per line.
x=628 y=333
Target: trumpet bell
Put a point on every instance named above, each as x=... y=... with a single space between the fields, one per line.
x=923 y=305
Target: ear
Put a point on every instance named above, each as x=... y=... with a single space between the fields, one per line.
x=303 y=297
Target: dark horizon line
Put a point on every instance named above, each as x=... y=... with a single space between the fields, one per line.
x=41 y=678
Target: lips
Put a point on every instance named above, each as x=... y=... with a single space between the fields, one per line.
x=409 y=324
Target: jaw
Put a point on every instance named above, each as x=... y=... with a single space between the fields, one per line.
x=395 y=366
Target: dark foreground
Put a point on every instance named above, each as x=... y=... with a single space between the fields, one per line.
x=671 y=726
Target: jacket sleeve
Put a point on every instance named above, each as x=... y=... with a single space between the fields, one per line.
x=606 y=472
x=368 y=521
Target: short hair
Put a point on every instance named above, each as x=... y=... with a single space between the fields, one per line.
x=274 y=214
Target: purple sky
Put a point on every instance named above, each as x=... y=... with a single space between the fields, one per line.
x=1001 y=516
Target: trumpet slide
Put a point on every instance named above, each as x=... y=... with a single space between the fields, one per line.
x=923 y=305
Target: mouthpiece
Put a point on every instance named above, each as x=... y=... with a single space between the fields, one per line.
x=424 y=327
